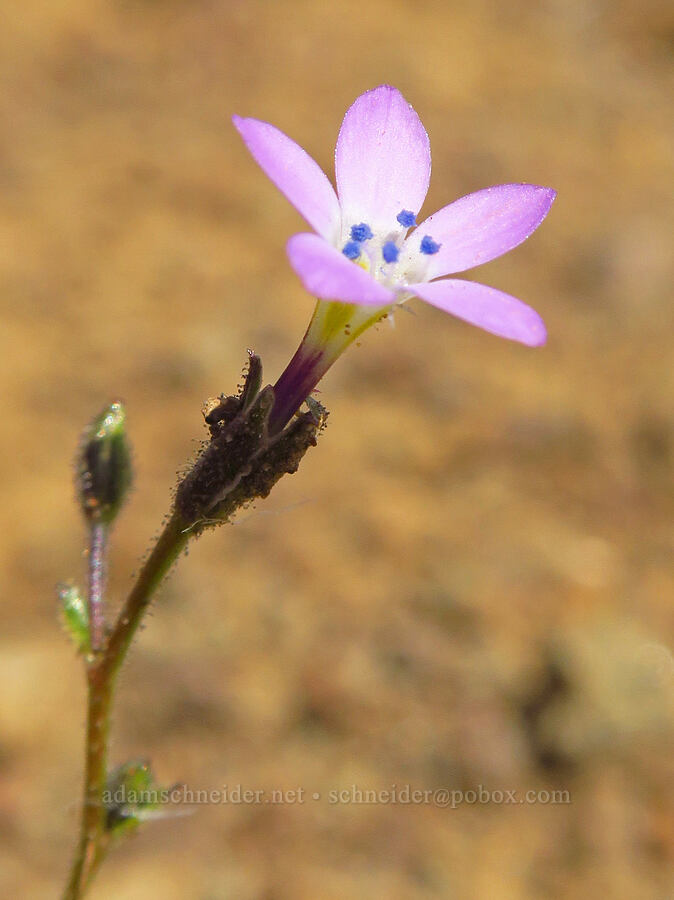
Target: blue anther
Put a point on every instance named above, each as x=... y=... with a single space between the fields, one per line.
x=390 y=252
x=429 y=246
x=406 y=218
x=361 y=232
x=351 y=250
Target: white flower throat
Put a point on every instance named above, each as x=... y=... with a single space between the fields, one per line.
x=387 y=256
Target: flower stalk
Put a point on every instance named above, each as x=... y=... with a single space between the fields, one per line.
x=242 y=462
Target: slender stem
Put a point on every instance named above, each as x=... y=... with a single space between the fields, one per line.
x=93 y=841
x=101 y=676
x=311 y=361
x=98 y=545
x=170 y=544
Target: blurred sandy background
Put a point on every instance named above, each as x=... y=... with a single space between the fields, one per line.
x=470 y=580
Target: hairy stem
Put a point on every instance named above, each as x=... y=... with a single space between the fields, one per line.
x=170 y=544
x=102 y=670
x=91 y=849
x=98 y=545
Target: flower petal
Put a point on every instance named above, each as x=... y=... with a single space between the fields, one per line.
x=485 y=307
x=482 y=226
x=382 y=159
x=328 y=274
x=294 y=173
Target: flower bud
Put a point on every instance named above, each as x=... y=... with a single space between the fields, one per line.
x=104 y=471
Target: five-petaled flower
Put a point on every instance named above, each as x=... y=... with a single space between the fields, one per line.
x=363 y=258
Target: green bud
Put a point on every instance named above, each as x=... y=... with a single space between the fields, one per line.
x=75 y=616
x=104 y=471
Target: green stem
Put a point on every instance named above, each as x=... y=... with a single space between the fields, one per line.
x=170 y=544
x=101 y=677
x=92 y=833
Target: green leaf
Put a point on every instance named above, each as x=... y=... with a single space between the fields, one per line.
x=131 y=795
x=75 y=616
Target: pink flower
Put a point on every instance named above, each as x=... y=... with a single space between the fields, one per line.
x=363 y=257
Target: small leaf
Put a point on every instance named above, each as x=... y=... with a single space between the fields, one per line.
x=131 y=795
x=75 y=616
